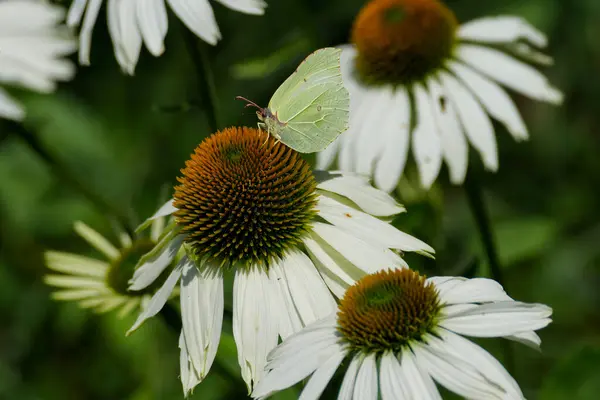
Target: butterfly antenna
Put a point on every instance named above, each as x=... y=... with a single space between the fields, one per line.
x=250 y=102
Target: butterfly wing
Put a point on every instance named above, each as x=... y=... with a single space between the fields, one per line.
x=312 y=104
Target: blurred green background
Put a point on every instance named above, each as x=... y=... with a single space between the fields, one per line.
x=125 y=138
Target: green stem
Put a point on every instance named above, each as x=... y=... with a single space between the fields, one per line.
x=67 y=176
x=205 y=78
x=477 y=206
x=480 y=214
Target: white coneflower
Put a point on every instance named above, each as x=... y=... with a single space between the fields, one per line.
x=32 y=47
x=132 y=22
x=417 y=79
x=255 y=208
x=402 y=333
x=102 y=285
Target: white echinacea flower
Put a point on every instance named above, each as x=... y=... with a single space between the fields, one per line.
x=32 y=47
x=293 y=240
x=418 y=80
x=131 y=22
x=402 y=333
x=102 y=285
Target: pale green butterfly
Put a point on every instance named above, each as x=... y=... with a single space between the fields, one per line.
x=310 y=109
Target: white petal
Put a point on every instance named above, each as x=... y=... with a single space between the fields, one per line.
x=130 y=38
x=452 y=138
x=318 y=381
x=75 y=264
x=9 y=108
x=478 y=127
x=493 y=98
x=254 y=325
x=363 y=255
x=418 y=384
x=152 y=21
x=309 y=293
x=480 y=359
x=476 y=290
x=365 y=387
x=529 y=338
x=75 y=12
x=395 y=137
x=390 y=378
x=154 y=263
x=201 y=314
x=337 y=272
x=256 y=7
x=65 y=281
x=96 y=240
x=427 y=147
x=510 y=72
x=161 y=296
x=198 y=16
x=78 y=294
x=368 y=228
x=347 y=388
x=498 y=319
x=85 y=35
x=501 y=29
x=289 y=318
x=370 y=200
x=189 y=378
x=374 y=126
x=453 y=373
x=301 y=356
x=165 y=210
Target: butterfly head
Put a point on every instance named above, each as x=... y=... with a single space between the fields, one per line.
x=261 y=113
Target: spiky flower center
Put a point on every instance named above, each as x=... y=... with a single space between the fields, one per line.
x=402 y=41
x=387 y=310
x=244 y=199
x=121 y=269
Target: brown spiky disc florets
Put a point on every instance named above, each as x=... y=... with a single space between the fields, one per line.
x=402 y=41
x=244 y=199
x=386 y=310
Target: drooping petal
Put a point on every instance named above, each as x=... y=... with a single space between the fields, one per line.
x=161 y=296
x=478 y=127
x=309 y=294
x=365 y=386
x=395 y=137
x=256 y=7
x=418 y=383
x=154 y=263
x=198 y=16
x=494 y=99
x=426 y=142
x=347 y=389
x=85 y=35
x=452 y=138
x=453 y=373
x=321 y=377
x=299 y=356
x=391 y=383
x=75 y=264
x=153 y=24
x=9 y=108
x=479 y=359
x=255 y=329
x=187 y=373
x=476 y=290
x=201 y=314
x=510 y=72
x=165 y=210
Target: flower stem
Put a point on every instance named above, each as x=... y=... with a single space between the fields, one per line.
x=476 y=202
x=66 y=175
x=205 y=79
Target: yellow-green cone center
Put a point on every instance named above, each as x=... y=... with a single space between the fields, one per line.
x=387 y=310
x=244 y=199
x=402 y=41
x=121 y=270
